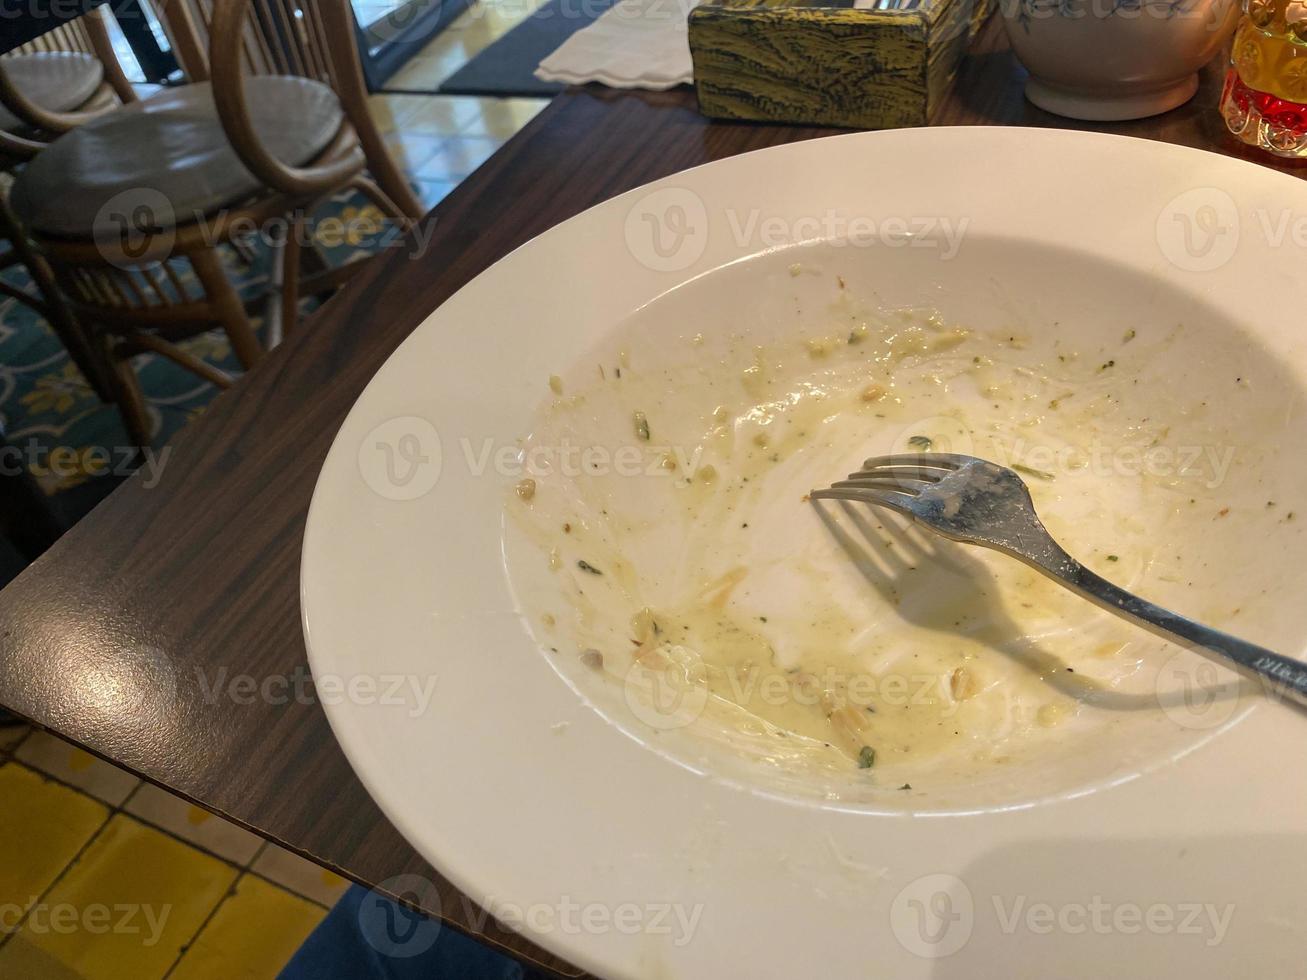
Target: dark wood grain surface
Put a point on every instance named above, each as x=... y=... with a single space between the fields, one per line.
x=127 y=635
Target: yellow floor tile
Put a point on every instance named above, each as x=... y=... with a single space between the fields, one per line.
x=412 y=151
x=302 y=877
x=482 y=33
x=124 y=910
x=502 y=118
x=385 y=110
x=64 y=761
x=457 y=157
x=437 y=115
x=42 y=827
x=194 y=824
x=252 y=935
x=419 y=75
x=498 y=17
x=426 y=71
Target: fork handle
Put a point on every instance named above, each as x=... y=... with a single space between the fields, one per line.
x=1283 y=675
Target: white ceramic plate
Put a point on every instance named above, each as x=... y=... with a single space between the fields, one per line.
x=631 y=852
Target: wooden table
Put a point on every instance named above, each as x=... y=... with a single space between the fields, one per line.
x=117 y=636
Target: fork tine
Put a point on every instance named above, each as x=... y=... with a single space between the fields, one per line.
x=939 y=461
x=894 y=499
x=911 y=488
x=916 y=473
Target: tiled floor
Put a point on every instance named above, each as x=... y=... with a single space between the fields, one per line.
x=470 y=32
x=437 y=139
x=103 y=876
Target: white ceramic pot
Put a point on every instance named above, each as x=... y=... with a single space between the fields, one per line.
x=1115 y=59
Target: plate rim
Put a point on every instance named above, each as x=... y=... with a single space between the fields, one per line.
x=339 y=717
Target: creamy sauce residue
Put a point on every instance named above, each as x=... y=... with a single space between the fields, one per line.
x=691 y=568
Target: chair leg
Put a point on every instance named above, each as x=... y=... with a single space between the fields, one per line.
x=70 y=332
x=227 y=307
x=56 y=312
x=129 y=397
x=392 y=180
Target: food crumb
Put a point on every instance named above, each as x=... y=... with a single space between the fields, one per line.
x=962 y=684
x=555 y=384
x=526 y=489
x=1050 y=714
x=819 y=346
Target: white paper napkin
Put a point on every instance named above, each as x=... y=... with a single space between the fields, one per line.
x=636 y=44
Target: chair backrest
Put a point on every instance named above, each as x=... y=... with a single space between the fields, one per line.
x=69 y=36
x=86 y=35
x=309 y=38
x=222 y=41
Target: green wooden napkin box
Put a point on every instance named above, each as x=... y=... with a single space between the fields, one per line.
x=816 y=62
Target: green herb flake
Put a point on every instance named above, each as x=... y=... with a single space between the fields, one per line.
x=1113 y=557
x=867 y=757
x=1129 y=336
x=585 y=566
x=641 y=426
x=921 y=442
x=1031 y=471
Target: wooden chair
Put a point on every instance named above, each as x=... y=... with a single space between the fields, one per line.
x=47 y=86
x=127 y=205
x=57 y=81
x=305 y=38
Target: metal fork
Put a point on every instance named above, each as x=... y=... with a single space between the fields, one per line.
x=978 y=502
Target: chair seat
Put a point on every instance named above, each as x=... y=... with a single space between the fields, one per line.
x=169 y=148
x=58 y=81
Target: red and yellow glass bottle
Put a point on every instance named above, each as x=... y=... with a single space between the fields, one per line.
x=1265 y=97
